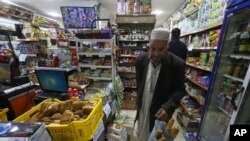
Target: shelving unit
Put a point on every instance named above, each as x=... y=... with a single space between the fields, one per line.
x=233 y=78
x=225 y=112
x=134 y=40
x=199 y=67
x=215 y=25
x=204 y=48
x=196 y=83
x=93 y=67
x=96 y=55
x=201 y=36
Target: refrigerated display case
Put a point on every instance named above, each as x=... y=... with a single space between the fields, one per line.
x=228 y=102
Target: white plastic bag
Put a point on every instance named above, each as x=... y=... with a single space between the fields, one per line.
x=160 y=126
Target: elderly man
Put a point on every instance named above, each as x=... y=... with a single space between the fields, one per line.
x=160 y=83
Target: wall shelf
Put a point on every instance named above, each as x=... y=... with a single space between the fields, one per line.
x=240 y=57
x=225 y=112
x=133 y=56
x=199 y=67
x=203 y=29
x=197 y=83
x=205 y=48
x=233 y=78
x=94 y=66
x=99 y=78
x=94 y=54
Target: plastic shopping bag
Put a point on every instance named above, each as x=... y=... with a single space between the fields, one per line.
x=160 y=132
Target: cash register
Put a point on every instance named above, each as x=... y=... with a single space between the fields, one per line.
x=53 y=83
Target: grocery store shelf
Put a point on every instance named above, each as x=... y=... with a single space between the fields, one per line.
x=99 y=78
x=183 y=105
x=31 y=55
x=204 y=48
x=240 y=57
x=195 y=97
x=134 y=87
x=127 y=64
x=228 y=97
x=199 y=67
x=225 y=112
x=94 y=40
x=127 y=72
x=27 y=40
x=133 y=47
x=197 y=83
x=94 y=66
x=94 y=54
x=203 y=29
x=233 y=78
x=133 y=56
x=133 y=40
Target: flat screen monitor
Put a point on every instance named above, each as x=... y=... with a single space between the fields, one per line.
x=52 y=81
x=5 y=74
x=78 y=17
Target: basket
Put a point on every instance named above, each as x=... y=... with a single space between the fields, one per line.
x=3 y=115
x=76 y=130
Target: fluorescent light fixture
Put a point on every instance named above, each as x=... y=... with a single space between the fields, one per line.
x=157 y=12
x=135 y=22
x=54 y=14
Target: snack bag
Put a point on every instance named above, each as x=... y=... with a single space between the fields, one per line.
x=160 y=133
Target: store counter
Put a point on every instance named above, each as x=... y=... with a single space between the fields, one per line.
x=18 y=99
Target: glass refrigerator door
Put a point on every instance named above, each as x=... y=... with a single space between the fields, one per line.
x=231 y=80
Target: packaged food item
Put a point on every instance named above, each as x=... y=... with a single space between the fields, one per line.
x=203 y=59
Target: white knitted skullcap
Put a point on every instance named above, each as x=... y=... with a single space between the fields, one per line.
x=159 y=34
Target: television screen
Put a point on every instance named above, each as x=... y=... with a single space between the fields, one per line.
x=52 y=80
x=78 y=17
x=5 y=77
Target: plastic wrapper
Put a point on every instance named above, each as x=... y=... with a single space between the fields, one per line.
x=160 y=132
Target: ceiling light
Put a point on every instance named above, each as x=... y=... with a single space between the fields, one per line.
x=157 y=12
x=54 y=14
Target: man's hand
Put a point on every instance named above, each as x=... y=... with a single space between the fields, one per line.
x=162 y=115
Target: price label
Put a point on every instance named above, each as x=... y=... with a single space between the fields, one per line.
x=144 y=47
x=95 y=79
x=99 y=131
x=88 y=55
x=191 y=46
x=113 y=109
x=93 y=67
x=107 y=110
x=101 y=55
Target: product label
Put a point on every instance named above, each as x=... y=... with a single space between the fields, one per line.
x=99 y=131
x=113 y=109
x=107 y=110
x=101 y=55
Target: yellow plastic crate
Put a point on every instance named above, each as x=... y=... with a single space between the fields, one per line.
x=76 y=130
x=3 y=115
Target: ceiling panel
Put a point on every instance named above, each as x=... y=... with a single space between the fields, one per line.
x=108 y=7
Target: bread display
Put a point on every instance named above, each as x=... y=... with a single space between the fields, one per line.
x=65 y=105
x=63 y=112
